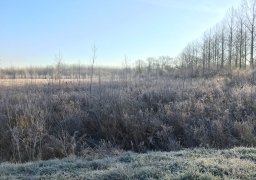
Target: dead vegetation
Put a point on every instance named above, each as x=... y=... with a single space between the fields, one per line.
x=40 y=122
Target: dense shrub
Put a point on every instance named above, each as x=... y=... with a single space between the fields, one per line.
x=45 y=121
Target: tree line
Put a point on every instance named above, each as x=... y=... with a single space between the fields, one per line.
x=161 y=66
x=228 y=45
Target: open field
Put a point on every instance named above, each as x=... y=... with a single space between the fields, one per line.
x=40 y=122
x=89 y=114
x=195 y=164
x=96 y=131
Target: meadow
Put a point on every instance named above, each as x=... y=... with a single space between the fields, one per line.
x=151 y=115
x=192 y=116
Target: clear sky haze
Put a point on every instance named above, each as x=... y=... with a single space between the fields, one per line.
x=32 y=31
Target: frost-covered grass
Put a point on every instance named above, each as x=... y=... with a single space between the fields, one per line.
x=47 y=121
x=236 y=163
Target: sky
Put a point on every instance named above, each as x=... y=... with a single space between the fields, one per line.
x=32 y=32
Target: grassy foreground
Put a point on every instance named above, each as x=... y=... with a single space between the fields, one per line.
x=236 y=163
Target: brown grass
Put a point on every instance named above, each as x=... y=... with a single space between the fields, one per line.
x=45 y=122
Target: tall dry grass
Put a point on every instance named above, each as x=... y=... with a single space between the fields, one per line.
x=43 y=121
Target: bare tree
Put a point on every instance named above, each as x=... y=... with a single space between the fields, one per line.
x=204 y=52
x=249 y=9
x=195 y=45
x=223 y=43
x=216 y=45
x=126 y=67
x=245 y=35
x=231 y=29
x=150 y=66
x=79 y=72
x=94 y=50
x=139 y=66
x=209 y=49
x=240 y=30
x=58 y=67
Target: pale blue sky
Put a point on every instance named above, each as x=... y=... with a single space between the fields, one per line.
x=32 y=31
